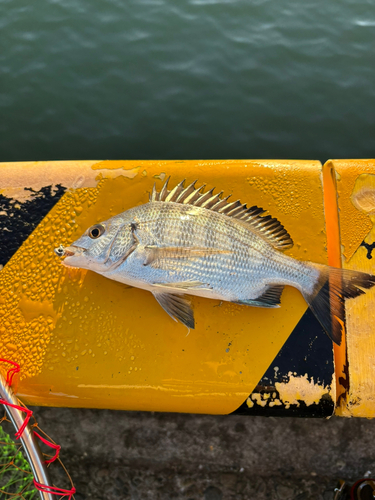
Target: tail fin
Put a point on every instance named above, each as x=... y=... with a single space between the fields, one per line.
x=327 y=300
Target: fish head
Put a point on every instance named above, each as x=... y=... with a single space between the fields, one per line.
x=101 y=246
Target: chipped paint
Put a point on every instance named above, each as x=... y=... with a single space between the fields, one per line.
x=363 y=194
x=265 y=397
x=298 y=389
x=108 y=166
x=70 y=174
x=259 y=399
x=275 y=402
x=249 y=403
x=160 y=176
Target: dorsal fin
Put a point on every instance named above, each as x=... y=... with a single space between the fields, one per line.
x=264 y=225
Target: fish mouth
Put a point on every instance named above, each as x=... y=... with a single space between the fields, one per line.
x=68 y=253
x=62 y=251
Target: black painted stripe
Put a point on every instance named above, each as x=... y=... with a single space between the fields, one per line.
x=308 y=350
x=18 y=220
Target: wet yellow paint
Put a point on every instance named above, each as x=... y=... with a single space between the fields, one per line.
x=347 y=172
x=83 y=340
x=356 y=189
x=30 y=282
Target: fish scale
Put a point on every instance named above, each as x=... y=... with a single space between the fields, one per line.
x=202 y=232
x=187 y=242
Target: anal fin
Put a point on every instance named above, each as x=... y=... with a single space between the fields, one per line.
x=177 y=306
x=269 y=298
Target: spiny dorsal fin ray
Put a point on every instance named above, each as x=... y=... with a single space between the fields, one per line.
x=265 y=226
x=174 y=194
x=186 y=192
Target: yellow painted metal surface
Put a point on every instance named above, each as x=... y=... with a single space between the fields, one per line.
x=83 y=340
x=355 y=181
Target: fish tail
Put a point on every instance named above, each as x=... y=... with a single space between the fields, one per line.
x=326 y=297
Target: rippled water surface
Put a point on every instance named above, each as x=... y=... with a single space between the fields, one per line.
x=187 y=79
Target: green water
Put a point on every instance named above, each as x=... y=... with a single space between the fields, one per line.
x=140 y=79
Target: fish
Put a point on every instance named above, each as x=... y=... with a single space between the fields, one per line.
x=188 y=241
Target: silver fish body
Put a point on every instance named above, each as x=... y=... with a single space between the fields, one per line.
x=185 y=242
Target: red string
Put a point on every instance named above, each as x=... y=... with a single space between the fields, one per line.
x=53 y=490
x=352 y=491
x=10 y=374
x=28 y=412
x=56 y=447
x=12 y=371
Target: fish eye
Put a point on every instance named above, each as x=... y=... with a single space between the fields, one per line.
x=96 y=231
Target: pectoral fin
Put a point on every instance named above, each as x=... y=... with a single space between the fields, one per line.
x=177 y=306
x=269 y=298
x=155 y=253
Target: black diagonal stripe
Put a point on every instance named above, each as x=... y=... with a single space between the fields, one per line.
x=18 y=220
x=309 y=351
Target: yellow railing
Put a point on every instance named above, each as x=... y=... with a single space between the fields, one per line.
x=86 y=341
